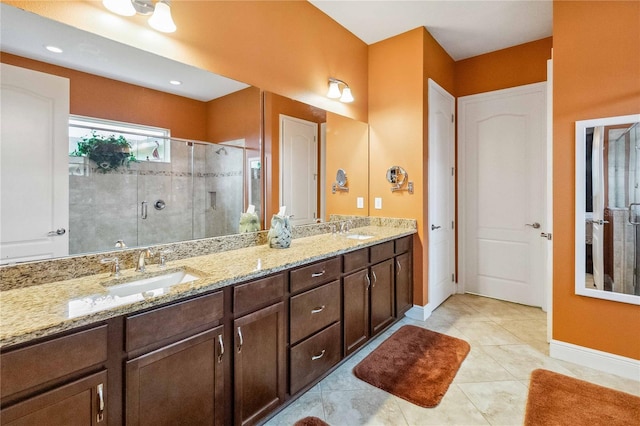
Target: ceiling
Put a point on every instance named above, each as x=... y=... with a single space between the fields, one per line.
x=463 y=28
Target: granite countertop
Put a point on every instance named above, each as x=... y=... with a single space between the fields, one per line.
x=41 y=310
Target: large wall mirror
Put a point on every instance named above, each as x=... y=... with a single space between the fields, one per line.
x=205 y=186
x=608 y=208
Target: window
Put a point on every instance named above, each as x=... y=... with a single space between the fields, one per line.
x=147 y=143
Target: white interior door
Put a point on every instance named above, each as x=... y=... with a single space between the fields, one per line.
x=299 y=169
x=597 y=222
x=441 y=194
x=34 y=173
x=503 y=193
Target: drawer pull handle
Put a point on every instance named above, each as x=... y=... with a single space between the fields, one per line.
x=315 y=357
x=241 y=340
x=221 y=343
x=368 y=281
x=317 y=310
x=100 y=394
x=318 y=274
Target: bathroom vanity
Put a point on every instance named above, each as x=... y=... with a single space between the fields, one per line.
x=255 y=329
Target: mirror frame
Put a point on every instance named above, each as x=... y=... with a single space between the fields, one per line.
x=580 y=188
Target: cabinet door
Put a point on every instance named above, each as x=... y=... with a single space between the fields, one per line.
x=181 y=383
x=356 y=310
x=80 y=403
x=259 y=363
x=382 y=296
x=404 y=287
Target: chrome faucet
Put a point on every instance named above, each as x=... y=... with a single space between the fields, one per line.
x=144 y=254
x=345 y=227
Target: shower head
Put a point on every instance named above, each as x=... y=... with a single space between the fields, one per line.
x=221 y=150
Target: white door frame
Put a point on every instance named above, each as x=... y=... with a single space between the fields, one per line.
x=548 y=287
x=462 y=218
x=433 y=89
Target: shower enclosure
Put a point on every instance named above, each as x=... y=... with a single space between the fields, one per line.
x=613 y=208
x=176 y=190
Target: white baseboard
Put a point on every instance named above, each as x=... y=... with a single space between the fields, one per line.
x=593 y=358
x=420 y=313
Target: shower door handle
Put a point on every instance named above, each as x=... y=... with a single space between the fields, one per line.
x=631 y=221
x=143 y=210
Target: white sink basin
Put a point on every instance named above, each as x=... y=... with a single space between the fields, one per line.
x=359 y=236
x=151 y=284
x=134 y=290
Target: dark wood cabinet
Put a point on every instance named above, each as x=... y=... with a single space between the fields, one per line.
x=259 y=363
x=370 y=295
x=79 y=403
x=230 y=356
x=182 y=383
x=382 y=296
x=355 y=318
x=404 y=287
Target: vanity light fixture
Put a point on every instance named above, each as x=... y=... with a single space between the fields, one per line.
x=335 y=93
x=160 y=19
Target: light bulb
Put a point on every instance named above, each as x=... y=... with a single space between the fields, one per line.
x=334 y=90
x=161 y=19
x=346 y=95
x=120 y=7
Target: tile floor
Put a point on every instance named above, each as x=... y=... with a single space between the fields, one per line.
x=508 y=341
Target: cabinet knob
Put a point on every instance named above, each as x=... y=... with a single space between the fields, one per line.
x=221 y=343
x=241 y=342
x=315 y=357
x=318 y=309
x=100 y=395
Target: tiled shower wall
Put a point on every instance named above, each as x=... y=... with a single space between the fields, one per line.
x=106 y=207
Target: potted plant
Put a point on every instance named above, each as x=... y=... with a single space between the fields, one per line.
x=108 y=152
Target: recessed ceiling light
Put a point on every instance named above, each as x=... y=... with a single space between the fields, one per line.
x=175 y=82
x=54 y=49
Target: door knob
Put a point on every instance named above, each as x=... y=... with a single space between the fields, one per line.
x=534 y=225
x=59 y=231
x=434 y=227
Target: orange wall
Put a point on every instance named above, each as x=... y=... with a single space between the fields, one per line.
x=511 y=67
x=286 y=47
x=596 y=74
x=347 y=148
x=398 y=72
x=235 y=116
x=274 y=105
x=100 y=97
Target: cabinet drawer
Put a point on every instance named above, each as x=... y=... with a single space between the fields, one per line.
x=356 y=260
x=403 y=244
x=153 y=326
x=256 y=293
x=37 y=364
x=317 y=273
x=314 y=356
x=314 y=309
x=381 y=252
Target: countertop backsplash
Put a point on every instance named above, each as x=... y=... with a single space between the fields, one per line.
x=39 y=272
